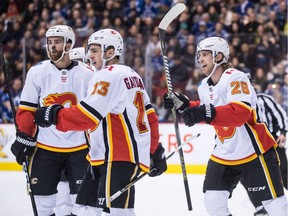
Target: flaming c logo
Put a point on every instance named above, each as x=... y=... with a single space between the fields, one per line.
x=62 y=99
x=225 y=132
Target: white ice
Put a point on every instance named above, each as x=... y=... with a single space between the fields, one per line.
x=158 y=196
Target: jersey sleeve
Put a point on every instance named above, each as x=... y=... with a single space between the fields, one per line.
x=240 y=100
x=74 y=119
x=194 y=103
x=28 y=104
x=233 y=114
x=104 y=93
x=239 y=89
x=154 y=127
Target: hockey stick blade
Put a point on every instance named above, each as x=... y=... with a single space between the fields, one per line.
x=119 y=192
x=171 y=15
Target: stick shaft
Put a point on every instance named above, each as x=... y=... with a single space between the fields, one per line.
x=8 y=89
x=168 y=18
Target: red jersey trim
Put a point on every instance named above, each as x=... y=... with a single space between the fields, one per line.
x=89 y=115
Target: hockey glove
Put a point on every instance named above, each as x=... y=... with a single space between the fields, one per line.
x=23 y=147
x=46 y=116
x=180 y=101
x=158 y=161
x=205 y=112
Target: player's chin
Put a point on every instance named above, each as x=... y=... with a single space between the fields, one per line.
x=207 y=73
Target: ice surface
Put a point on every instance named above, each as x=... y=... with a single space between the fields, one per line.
x=158 y=196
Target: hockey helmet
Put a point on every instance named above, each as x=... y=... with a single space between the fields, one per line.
x=106 y=38
x=78 y=53
x=215 y=45
x=63 y=31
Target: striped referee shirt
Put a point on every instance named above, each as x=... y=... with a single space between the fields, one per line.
x=273 y=114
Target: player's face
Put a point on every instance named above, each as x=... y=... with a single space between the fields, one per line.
x=205 y=59
x=55 y=47
x=94 y=54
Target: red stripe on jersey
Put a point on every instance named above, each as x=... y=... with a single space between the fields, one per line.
x=230 y=71
x=119 y=139
x=25 y=121
x=233 y=114
x=194 y=103
x=73 y=119
x=261 y=133
x=154 y=126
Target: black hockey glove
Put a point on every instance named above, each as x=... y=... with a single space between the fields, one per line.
x=46 y=116
x=180 y=101
x=158 y=161
x=23 y=147
x=205 y=112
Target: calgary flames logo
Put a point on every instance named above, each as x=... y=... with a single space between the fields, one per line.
x=225 y=132
x=62 y=99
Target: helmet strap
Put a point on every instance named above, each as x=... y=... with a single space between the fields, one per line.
x=104 y=61
x=215 y=66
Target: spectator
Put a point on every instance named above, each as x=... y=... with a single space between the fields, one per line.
x=179 y=73
x=238 y=18
x=219 y=31
x=202 y=32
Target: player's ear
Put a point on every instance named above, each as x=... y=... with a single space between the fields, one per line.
x=109 y=52
x=219 y=57
x=68 y=46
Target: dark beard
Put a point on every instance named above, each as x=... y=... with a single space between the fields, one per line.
x=55 y=56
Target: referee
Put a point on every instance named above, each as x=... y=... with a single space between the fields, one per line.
x=276 y=119
x=277 y=122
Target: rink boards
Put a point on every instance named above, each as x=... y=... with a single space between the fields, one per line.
x=196 y=151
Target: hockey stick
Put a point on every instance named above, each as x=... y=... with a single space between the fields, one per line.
x=25 y=164
x=119 y=192
x=165 y=22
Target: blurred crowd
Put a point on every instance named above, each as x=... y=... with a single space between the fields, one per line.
x=257 y=31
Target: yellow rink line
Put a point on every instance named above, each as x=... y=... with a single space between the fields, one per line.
x=172 y=168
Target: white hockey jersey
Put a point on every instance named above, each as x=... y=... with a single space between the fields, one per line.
x=241 y=136
x=46 y=85
x=123 y=124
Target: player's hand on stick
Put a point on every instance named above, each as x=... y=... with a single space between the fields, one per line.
x=158 y=162
x=46 y=116
x=23 y=147
x=180 y=101
x=204 y=113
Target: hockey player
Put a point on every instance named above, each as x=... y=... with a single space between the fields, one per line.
x=123 y=129
x=63 y=201
x=244 y=146
x=55 y=81
x=277 y=122
x=78 y=54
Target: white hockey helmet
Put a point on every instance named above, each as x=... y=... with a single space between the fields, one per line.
x=78 y=53
x=106 y=38
x=215 y=45
x=63 y=31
